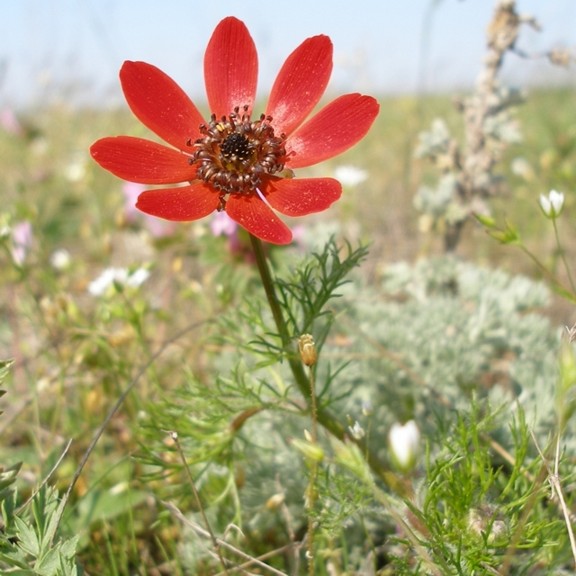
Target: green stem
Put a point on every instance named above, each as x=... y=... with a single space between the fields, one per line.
x=326 y=419
x=567 y=293
x=563 y=255
x=312 y=490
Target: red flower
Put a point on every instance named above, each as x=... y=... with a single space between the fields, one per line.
x=233 y=162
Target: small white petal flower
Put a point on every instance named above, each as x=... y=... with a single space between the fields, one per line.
x=521 y=167
x=357 y=431
x=404 y=440
x=137 y=277
x=99 y=286
x=60 y=259
x=552 y=204
x=76 y=170
x=350 y=175
x=121 y=276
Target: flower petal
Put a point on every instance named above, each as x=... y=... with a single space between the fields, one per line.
x=230 y=68
x=253 y=214
x=142 y=161
x=301 y=196
x=179 y=204
x=337 y=127
x=300 y=83
x=160 y=104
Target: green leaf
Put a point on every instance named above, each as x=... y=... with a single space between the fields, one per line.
x=48 y=564
x=486 y=221
x=8 y=475
x=4 y=369
x=507 y=235
x=28 y=540
x=107 y=505
x=53 y=521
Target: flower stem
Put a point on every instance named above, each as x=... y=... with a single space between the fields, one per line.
x=563 y=255
x=324 y=417
x=312 y=489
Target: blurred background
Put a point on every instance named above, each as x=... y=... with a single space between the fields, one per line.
x=73 y=49
x=96 y=297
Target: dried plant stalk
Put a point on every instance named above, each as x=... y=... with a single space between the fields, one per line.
x=468 y=176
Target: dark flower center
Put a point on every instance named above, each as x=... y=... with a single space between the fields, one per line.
x=234 y=153
x=236 y=146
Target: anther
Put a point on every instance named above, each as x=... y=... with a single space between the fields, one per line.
x=234 y=153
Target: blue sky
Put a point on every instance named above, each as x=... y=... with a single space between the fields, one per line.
x=73 y=49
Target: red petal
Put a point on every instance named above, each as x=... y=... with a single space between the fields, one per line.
x=179 y=204
x=230 y=67
x=160 y=104
x=142 y=161
x=252 y=213
x=302 y=196
x=300 y=83
x=337 y=127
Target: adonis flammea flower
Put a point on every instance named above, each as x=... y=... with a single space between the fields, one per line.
x=237 y=161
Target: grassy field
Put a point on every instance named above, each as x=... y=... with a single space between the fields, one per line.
x=181 y=342
x=56 y=142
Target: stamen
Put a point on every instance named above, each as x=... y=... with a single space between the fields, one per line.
x=234 y=153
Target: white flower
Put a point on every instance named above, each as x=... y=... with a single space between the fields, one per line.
x=404 y=441
x=552 y=204
x=350 y=175
x=60 y=259
x=137 y=277
x=357 y=431
x=76 y=169
x=521 y=167
x=118 y=276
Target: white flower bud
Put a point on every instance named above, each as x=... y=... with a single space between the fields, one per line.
x=552 y=204
x=404 y=441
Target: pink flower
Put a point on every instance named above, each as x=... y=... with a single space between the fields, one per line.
x=22 y=237
x=10 y=123
x=157 y=228
x=223 y=225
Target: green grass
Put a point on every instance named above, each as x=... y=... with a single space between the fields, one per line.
x=448 y=343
